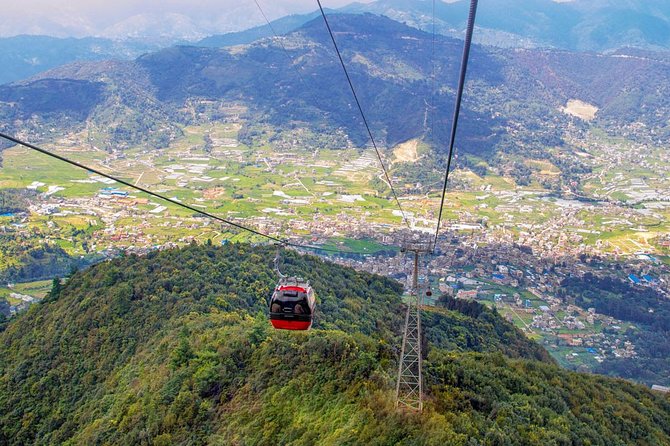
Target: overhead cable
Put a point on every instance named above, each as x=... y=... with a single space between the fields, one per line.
x=360 y=109
x=433 y=79
x=457 y=108
x=164 y=198
x=279 y=41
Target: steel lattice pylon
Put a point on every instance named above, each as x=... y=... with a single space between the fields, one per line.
x=409 y=387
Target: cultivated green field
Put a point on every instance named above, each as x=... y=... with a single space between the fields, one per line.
x=294 y=191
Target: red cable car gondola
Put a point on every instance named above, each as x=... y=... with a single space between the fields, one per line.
x=292 y=304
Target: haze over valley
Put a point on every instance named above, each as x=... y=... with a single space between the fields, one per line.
x=553 y=250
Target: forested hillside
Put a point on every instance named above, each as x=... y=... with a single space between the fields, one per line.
x=175 y=348
x=26 y=261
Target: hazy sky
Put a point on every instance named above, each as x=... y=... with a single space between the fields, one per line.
x=94 y=17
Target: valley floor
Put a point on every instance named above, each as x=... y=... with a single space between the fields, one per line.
x=511 y=245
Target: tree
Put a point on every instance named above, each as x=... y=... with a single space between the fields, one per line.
x=56 y=288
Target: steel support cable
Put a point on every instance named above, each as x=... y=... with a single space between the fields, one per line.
x=457 y=108
x=360 y=109
x=278 y=40
x=298 y=70
x=164 y=198
x=289 y=58
x=433 y=80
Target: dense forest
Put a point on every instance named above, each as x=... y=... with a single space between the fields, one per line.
x=15 y=200
x=175 y=348
x=37 y=262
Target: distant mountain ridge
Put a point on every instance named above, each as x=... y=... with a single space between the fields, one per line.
x=24 y=56
x=518 y=93
x=581 y=25
x=604 y=25
x=281 y=26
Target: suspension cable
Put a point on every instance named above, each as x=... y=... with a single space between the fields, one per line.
x=279 y=41
x=360 y=109
x=433 y=79
x=457 y=108
x=283 y=242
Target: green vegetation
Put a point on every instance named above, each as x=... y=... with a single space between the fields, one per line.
x=645 y=307
x=15 y=200
x=175 y=348
x=22 y=262
x=614 y=297
x=358 y=247
x=462 y=325
x=37 y=289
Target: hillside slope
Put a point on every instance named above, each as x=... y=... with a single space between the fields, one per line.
x=175 y=348
x=27 y=55
x=513 y=98
x=584 y=25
